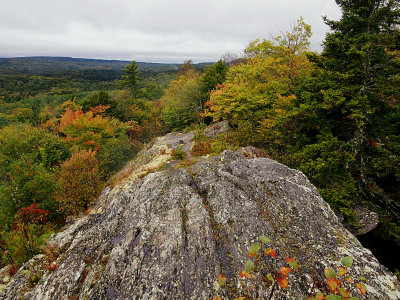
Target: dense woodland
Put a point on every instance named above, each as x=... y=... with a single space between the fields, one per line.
x=334 y=115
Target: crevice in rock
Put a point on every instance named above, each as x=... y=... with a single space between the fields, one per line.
x=186 y=276
x=221 y=239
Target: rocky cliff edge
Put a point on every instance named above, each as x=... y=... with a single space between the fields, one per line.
x=165 y=230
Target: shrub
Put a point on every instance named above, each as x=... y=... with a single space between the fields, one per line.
x=221 y=143
x=201 y=148
x=178 y=153
x=29 y=234
x=80 y=181
x=114 y=153
x=264 y=262
x=25 y=184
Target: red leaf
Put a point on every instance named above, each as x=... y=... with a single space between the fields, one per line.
x=282 y=282
x=285 y=271
x=271 y=252
x=289 y=259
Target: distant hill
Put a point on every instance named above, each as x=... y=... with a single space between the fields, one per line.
x=61 y=66
x=23 y=77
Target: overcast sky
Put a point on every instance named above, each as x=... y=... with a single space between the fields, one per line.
x=151 y=30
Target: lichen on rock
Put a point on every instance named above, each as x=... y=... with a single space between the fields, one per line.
x=170 y=233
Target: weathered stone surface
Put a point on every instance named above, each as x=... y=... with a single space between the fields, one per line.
x=170 y=233
x=368 y=220
x=218 y=128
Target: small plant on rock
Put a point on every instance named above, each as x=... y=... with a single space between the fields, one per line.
x=341 y=285
x=264 y=265
x=178 y=153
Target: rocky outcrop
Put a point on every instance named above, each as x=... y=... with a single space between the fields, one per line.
x=367 y=220
x=222 y=127
x=164 y=232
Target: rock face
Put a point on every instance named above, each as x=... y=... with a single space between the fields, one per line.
x=218 y=128
x=168 y=234
x=367 y=219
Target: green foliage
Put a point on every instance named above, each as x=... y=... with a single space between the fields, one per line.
x=28 y=157
x=199 y=134
x=335 y=117
x=51 y=151
x=324 y=163
x=222 y=142
x=352 y=102
x=270 y=74
x=182 y=102
x=263 y=266
x=114 y=153
x=213 y=76
x=132 y=79
x=179 y=153
x=100 y=98
x=25 y=184
x=18 y=140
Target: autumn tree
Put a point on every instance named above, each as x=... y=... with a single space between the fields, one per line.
x=187 y=68
x=253 y=88
x=89 y=130
x=95 y=131
x=80 y=182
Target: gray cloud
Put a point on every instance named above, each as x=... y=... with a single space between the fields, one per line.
x=151 y=30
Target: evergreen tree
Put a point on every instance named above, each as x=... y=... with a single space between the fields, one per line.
x=354 y=102
x=213 y=76
x=132 y=79
x=100 y=98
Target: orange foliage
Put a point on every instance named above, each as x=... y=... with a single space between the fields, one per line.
x=80 y=182
x=88 y=130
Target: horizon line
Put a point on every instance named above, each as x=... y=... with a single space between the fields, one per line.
x=104 y=59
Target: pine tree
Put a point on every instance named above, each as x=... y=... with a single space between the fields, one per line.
x=132 y=78
x=359 y=97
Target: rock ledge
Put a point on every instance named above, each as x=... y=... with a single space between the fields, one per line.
x=170 y=233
